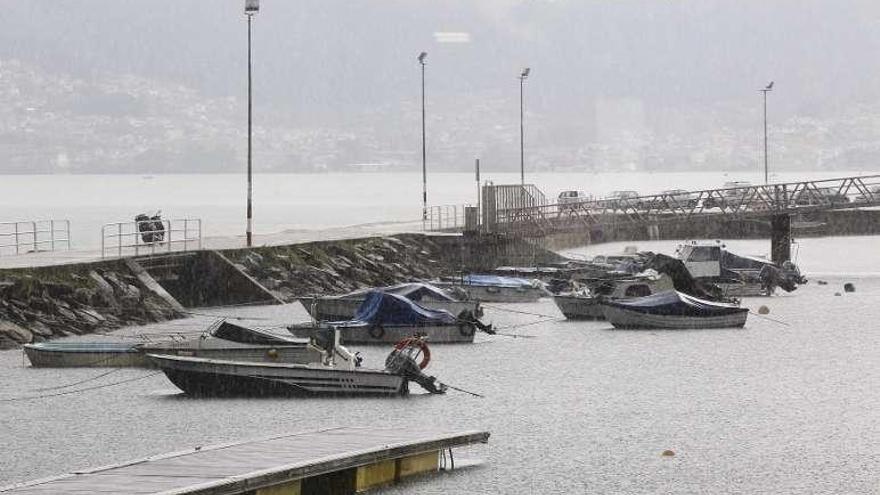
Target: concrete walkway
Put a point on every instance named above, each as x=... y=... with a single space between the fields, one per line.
x=52 y=258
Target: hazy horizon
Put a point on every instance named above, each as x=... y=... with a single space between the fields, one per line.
x=130 y=86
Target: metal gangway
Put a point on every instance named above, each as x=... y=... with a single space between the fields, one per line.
x=33 y=236
x=135 y=238
x=729 y=203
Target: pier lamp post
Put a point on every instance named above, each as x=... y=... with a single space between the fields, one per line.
x=522 y=154
x=422 y=57
x=251 y=7
x=766 y=90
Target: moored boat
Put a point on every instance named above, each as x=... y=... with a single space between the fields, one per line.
x=587 y=304
x=494 y=288
x=338 y=373
x=673 y=310
x=247 y=347
x=387 y=318
x=344 y=307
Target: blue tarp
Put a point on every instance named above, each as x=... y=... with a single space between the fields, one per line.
x=392 y=309
x=493 y=281
x=676 y=303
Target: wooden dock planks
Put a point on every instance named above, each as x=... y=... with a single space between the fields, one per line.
x=242 y=467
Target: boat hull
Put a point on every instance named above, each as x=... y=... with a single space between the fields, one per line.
x=114 y=355
x=629 y=319
x=344 y=308
x=214 y=378
x=493 y=294
x=436 y=334
x=580 y=307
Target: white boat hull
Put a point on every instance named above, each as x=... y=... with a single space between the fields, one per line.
x=390 y=334
x=625 y=318
x=344 y=308
x=580 y=307
x=493 y=294
x=73 y=354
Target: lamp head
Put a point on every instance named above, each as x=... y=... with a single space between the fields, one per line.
x=251 y=7
x=422 y=57
x=525 y=73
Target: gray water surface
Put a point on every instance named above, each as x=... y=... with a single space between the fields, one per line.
x=578 y=408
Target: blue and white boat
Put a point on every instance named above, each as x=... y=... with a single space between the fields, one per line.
x=345 y=306
x=388 y=318
x=673 y=310
x=495 y=288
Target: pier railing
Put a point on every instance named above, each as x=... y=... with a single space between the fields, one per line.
x=34 y=236
x=445 y=217
x=150 y=237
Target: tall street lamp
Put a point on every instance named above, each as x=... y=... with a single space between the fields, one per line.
x=522 y=154
x=422 y=57
x=766 y=90
x=251 y=7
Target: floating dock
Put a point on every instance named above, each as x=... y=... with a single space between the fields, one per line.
x=332 y=461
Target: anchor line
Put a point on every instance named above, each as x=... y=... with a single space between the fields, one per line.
x=102 y=375
x=70 y=392
x=768 y=318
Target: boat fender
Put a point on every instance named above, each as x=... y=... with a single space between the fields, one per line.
x=272 y=354
x=493 y=290
x=377 y=331
x=466 y=329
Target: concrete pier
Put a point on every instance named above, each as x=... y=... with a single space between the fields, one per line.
x=332 y=461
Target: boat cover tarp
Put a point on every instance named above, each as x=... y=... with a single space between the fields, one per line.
x=674 y=303
x=493 y=281
x=392 y=309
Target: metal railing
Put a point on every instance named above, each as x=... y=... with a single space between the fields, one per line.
x=445 y=217
x=146 y=237
x=34 y=236
x=735 y=202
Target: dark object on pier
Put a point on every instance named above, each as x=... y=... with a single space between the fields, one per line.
x=151 y=228
x=849 y=287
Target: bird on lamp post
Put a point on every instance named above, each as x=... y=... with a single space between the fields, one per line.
x=422 y=57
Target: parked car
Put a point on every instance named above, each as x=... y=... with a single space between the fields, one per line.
x=568 y=199
x=681 y=198
x=733 y=194
x=622 y=199
x=824 y=195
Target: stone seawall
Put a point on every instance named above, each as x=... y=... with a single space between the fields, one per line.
x=42 y=303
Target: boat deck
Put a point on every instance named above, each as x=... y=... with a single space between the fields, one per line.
x=305 y=462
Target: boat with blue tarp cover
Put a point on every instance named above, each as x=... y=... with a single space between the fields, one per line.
x=345 y=306
x=674 y=310
x=495 y=288
x=388 y=318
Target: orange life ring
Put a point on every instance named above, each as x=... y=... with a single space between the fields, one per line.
x=420 y=344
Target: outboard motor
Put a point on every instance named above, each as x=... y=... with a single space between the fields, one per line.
x=151 y=228
x=402 y=361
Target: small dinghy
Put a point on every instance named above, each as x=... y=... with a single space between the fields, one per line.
x=494 y=288
x=337 y=373
x=385 y=318
x=673 y=310
x=344 y=307
x=222 y=340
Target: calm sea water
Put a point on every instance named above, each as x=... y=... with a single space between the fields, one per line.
x=785 y=406
x=292 y=202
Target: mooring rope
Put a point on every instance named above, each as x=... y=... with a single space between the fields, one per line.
x=70 y=392
x=768 y=318
x=498 y=308
x=78 y=382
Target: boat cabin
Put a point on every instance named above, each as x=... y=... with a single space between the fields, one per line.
x=703 y=261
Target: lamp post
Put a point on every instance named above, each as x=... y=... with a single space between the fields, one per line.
x=766 y=90
x=251 y=7
x=522 y=154
x=422 y=57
